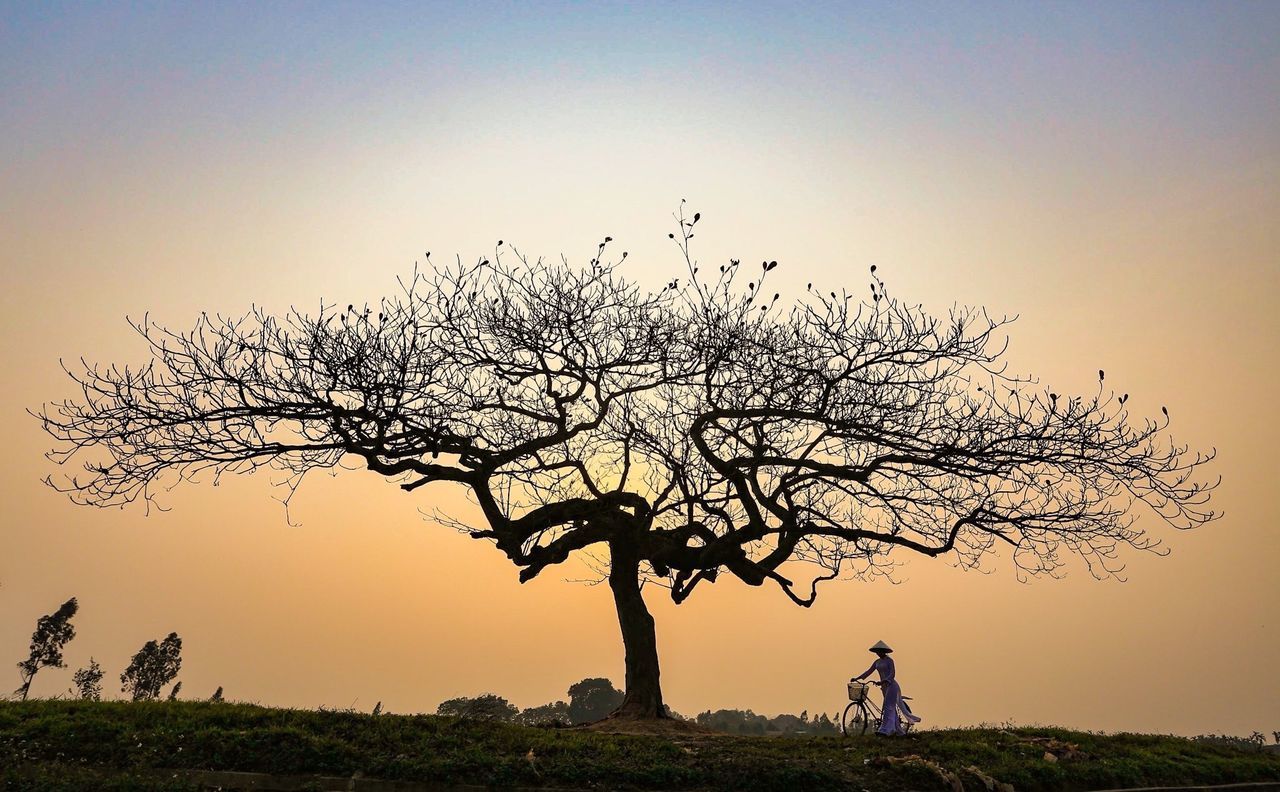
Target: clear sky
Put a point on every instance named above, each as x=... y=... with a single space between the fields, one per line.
x=1109 y=171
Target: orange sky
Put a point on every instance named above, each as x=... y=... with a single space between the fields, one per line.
x=1115 y=181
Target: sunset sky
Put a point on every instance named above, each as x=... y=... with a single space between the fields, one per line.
x=1110 y=172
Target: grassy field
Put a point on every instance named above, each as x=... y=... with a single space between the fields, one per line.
x=115 y=745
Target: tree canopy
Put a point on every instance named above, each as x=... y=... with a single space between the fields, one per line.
x=701 y=428
x=592 y=699
x=154 y=666
x=487 y=706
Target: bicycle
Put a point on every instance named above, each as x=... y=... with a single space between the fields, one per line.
x=862 y=715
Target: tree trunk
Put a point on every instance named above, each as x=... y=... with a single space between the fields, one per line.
x=643 y=698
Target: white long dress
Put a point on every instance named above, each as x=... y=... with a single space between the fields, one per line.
x=895 y=709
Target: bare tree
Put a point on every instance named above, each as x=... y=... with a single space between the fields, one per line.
x=692 y=430
x=154 y=666
x=53 y=633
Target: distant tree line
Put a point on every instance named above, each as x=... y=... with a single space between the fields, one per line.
x=595 y=698
x=747 y=722
x=152 y=669
x=589 y=700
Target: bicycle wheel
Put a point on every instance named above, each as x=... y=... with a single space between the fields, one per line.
x=856 y=720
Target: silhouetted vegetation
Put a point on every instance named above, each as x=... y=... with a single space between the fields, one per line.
x=733 y=721
x=485 y=707
x=554 y=714
x=88 y=681
x=589 y=700
x=1254 y=740
x=700 y=429
x=89 y=745
x=53 y=633
x=154 y=666
x=592 y=699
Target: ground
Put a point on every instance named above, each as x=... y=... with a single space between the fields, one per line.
x=164 y=745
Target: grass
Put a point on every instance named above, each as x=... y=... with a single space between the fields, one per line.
x=119 y=745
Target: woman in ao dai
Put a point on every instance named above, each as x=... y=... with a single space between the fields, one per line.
x=895 y=709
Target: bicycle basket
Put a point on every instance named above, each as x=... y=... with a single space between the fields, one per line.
x=858 y=691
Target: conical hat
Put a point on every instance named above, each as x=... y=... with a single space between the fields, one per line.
x=880 y=646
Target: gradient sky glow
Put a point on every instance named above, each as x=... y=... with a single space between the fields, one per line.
x=1108 y=171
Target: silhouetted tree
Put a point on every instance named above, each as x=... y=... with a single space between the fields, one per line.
x=173 y=694
x=217 y=695
x=88 y=681
x=592 y=699
x=154 y=666
x=554 y=714
x=694 y=430
x=52 y=634
x=823 y=725
x=484 y=707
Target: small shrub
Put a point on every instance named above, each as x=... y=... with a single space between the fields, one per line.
x=88 y=681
